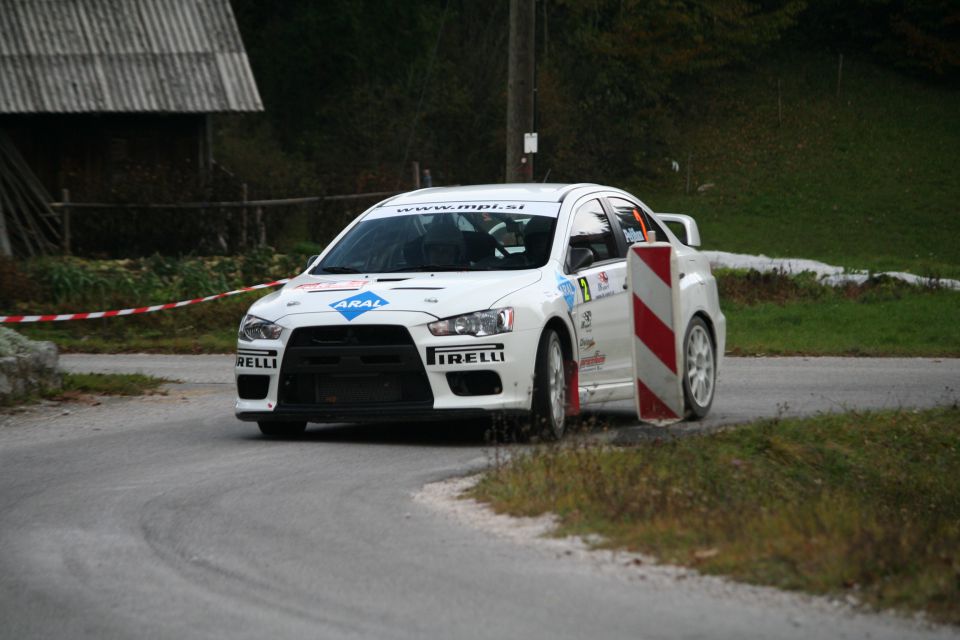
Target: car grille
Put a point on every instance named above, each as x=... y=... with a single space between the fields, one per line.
x=343 y=367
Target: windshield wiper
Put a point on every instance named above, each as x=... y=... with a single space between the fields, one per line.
x=340 y=270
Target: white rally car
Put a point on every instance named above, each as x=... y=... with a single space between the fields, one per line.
x=471 y=301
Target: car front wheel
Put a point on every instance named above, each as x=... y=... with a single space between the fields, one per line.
x=549 y=388
x=277 y=429
x=699 y=369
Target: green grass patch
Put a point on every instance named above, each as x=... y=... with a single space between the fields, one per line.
x=774 y=314
x=111 y=384
x=862 y=504
x=77 y=385
x=864 y=181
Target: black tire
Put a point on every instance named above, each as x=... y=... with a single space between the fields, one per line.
x=548 y=410
x=699 y=369
x=277 y=429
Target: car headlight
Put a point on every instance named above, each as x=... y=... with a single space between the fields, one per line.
x=254 y=328
x=479 y=323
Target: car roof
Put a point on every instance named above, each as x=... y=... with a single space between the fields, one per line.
x=529 y=192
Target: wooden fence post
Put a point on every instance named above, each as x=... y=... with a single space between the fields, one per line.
x=243 y=217
x=839 y=74
x=779 y=104
x=66 y=221
x=5 y=249
x=261 y=227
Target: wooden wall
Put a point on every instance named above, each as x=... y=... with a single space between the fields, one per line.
x=114 y=157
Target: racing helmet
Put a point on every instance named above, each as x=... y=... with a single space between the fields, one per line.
x=443 y=242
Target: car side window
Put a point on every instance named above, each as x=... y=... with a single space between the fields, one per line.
x=635 y=222
x=591 y=230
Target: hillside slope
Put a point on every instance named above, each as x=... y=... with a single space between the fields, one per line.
x=866 y=180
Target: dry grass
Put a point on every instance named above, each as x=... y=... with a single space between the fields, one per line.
x=863 y=504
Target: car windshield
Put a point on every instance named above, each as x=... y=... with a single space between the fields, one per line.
x=474 y=240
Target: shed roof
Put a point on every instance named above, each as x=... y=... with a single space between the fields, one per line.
x=131 y=56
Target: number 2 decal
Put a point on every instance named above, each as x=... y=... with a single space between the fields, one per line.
x=585 y=288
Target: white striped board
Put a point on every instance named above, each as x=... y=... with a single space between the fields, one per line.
x=653 y=282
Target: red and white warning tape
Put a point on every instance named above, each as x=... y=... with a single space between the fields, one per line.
x=56 y=317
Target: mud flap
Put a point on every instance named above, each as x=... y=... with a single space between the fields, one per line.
x=571 y=370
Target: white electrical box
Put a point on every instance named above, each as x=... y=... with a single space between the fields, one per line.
x=529 y=143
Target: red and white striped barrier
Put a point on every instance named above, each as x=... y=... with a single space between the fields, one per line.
x=57 y=317
x=655 y=310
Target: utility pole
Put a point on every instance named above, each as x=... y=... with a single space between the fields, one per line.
x=520 y=79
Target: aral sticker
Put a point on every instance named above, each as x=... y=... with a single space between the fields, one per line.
x=333 y=285
x=568 y=290
x=359 y=304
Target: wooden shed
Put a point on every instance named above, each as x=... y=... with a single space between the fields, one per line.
x=110 y=99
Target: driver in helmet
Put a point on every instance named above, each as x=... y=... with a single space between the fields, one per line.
x=443 y=243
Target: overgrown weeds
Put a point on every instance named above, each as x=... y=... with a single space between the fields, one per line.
x=861 y=504
x=65 y=284
x=73 y=285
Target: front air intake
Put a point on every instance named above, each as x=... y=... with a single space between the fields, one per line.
x=342 y=367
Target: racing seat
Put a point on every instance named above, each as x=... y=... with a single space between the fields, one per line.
x=479 y=245
x=536 y=240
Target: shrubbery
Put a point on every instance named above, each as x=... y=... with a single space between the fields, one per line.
x=65 y=284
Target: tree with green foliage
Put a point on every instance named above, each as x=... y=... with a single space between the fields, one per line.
x=922 y=36
x=610 y=72
x=355 y=90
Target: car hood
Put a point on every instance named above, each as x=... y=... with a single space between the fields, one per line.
x=438 y=294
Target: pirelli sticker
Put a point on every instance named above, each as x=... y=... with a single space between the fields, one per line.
x=257 y=358
x=455 y=355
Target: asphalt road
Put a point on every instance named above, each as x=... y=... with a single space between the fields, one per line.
x=164 y=517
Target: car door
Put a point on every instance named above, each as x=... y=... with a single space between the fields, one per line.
x=600 y=294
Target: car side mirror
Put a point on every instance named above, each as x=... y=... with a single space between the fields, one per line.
x=691 y=233
x=311 y=259
x=579 y=258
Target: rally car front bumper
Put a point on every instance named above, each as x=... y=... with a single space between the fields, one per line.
x=374 y=370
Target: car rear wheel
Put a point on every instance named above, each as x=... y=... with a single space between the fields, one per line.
x=277 y=429
x=549 y=389
x=699 y=369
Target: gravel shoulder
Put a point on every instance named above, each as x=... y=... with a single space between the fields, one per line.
x=800 y=611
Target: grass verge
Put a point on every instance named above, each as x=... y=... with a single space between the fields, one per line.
x=775 y=314
x=861 y=504
x=110 y=384
x=77 y=385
